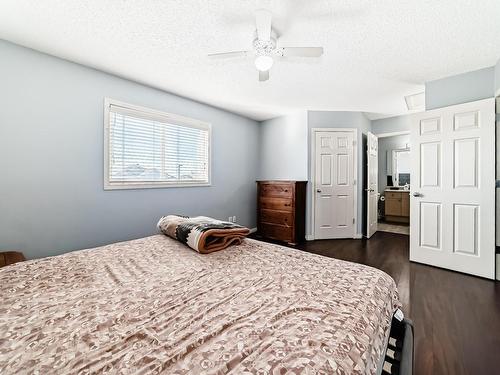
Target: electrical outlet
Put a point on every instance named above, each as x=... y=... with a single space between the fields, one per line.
x=234 y=219
x=230 y=219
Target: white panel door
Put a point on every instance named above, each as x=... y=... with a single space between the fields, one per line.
x=372 y=185
x=334 y=185
x=452 y=213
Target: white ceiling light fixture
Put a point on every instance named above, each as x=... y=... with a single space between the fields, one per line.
x=265 y=46
x=263 y=63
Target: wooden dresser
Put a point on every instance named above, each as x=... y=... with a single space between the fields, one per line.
x=11 y=257
x=281 y=211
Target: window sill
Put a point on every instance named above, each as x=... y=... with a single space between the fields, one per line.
x=147 y=185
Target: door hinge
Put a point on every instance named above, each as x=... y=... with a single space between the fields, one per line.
x=353 y=220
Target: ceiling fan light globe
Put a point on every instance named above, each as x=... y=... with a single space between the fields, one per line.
x=264 y=63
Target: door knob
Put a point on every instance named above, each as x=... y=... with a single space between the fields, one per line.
x=318 y=190
x=417 y=194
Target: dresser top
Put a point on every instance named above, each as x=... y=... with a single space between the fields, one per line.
x=280 y=181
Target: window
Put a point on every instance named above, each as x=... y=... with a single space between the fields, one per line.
x=145 y=148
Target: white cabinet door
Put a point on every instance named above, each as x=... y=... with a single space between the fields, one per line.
x=372 y=185
x=334 y=185
x=453 y=188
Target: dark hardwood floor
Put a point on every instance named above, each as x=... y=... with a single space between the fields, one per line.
x=456 y=316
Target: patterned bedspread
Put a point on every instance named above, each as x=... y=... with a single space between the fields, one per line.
x=153 y=305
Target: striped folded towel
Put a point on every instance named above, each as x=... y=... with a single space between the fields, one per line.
x=201 y=233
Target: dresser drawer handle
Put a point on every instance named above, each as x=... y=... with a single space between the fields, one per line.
x=287 y=204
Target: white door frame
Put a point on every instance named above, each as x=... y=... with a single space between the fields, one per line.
x=312 y=166
x=369 y=191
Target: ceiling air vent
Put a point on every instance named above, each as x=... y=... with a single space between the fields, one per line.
x=415 y=102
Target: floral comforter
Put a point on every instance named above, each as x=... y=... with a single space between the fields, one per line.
x=153 y=305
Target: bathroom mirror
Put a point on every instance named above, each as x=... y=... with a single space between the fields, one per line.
x=389 y=150
x=401 y=167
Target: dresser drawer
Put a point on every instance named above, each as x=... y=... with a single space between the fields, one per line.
x=276 y=190
x=272 y=203
x=393 y=195
x=276 y=217
x=277 y=232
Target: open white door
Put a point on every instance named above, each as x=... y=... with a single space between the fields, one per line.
x=452 y=213
x=334 y=184
x=372 y=185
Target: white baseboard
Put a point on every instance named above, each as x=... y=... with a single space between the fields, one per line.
x=253 y=230
x=309 y=237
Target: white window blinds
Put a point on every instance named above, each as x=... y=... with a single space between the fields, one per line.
x=147 y=148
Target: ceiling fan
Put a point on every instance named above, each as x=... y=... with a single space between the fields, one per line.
x=265 y=48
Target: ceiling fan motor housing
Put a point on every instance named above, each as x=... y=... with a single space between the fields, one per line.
x=266 y=47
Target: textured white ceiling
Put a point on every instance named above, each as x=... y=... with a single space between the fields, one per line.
x=376 y=52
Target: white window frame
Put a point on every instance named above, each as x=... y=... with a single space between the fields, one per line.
x=160 y=116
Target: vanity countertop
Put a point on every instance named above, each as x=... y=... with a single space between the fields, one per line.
x=396 y=191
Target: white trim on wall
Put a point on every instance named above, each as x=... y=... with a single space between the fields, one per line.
x=393 y=134
x=312 y=167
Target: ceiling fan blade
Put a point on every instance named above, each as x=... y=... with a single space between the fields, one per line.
x=263 y=23
x=228 y=55
x=302 y=51
x=263 y=76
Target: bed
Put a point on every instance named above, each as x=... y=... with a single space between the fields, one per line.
x=153 y=305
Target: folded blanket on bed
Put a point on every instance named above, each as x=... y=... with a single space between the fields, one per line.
x=202 y=233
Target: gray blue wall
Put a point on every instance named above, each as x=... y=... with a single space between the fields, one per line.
x=51 y=157
x=283 y=148
x=391 y=125
x=461 y=88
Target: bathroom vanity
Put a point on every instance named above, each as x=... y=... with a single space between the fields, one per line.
x=397 y=205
